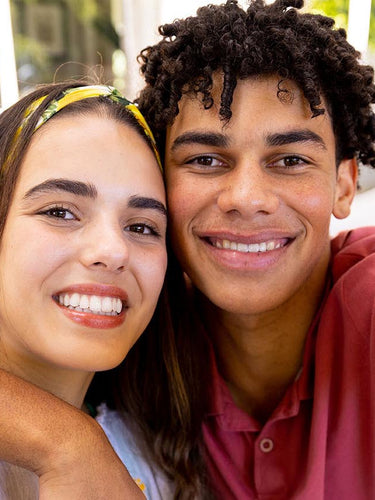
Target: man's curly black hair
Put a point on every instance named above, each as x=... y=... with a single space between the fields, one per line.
x=263 y=40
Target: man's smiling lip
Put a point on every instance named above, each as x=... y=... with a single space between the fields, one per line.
x=237 y=246
x=245 y=253
x=256 y=238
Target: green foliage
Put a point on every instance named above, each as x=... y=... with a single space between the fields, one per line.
x=36 y=62
x=372 y=27
x=27 y=49
x=96 y=13
x=85 y=10
x=338 y=9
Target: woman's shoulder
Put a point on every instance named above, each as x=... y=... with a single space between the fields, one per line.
x=119 y=430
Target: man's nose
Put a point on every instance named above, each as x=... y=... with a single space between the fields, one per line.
x=247 y=190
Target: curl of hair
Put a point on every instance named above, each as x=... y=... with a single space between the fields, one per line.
x=265 y=39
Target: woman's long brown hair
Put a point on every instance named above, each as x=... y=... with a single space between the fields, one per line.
x=157 y=385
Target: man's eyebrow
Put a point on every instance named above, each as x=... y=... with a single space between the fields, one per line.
x=75 y=187
x=204 y=138
x=147 y=203
x=282 y=139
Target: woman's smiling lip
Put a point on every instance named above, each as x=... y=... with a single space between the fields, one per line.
x=93 y=305
x=96 y=289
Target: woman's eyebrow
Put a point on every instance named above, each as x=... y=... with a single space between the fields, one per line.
x=147 y=203
x=75 y=187
x=89 y=190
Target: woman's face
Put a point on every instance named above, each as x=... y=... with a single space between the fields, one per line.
x=82 y=257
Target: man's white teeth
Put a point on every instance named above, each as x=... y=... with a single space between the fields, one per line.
x=108 y=306
x=265 y=246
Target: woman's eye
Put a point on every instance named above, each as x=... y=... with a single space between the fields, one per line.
x=59 y=213
x=143 y=229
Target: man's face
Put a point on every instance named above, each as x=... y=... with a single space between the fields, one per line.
x=250 y=201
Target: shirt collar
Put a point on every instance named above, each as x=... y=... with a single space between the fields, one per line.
x=231 y=417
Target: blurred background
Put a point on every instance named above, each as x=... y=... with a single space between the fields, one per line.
x=46 y=40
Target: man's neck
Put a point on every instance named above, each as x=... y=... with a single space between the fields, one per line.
x=260 y=356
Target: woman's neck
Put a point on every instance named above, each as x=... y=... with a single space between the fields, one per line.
x=69 y=385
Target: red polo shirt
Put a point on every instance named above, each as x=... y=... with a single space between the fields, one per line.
x=320 y=441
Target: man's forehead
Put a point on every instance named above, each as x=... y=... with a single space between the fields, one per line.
x=251 y=93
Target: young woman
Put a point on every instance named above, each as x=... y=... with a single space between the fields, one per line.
x=82 y=253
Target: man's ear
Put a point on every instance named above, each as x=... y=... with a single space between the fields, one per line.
x=346 y=184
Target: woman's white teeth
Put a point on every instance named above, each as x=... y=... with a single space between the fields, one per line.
x=265 y=246
x=109 y=306
x=84 y=302
x=75 y=300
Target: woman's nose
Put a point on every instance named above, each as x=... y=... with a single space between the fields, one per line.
x=105 y=246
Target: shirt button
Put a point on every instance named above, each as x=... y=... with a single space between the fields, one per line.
x=266 y=445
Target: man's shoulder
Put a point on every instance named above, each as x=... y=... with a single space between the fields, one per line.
x=350 y=301
x=353 y=248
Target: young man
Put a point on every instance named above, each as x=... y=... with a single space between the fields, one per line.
x=266 y=113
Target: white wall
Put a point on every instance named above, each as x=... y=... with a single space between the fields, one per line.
x=141 y=21
x=172 y=9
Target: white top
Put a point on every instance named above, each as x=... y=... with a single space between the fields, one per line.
x=149 y=478
x=17 y=483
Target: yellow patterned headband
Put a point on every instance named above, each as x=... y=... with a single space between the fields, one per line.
x=75 y=94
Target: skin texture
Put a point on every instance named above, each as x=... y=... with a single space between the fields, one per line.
x=93 y=243
x=250 y=182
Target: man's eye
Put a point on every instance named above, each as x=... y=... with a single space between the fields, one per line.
x=289 y=162
x=206 y=161
x=59 y=213
x=292 y=161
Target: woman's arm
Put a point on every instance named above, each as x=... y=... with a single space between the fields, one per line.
x=65 y=447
